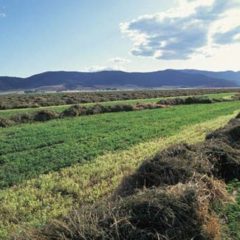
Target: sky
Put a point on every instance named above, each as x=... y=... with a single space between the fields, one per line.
x=130 y=35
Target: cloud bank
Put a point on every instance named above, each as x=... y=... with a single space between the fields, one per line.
x=192 y=28
x=113 y=64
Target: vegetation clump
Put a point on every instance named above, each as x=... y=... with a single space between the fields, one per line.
x=187 y=100
x=151 y=214
x=56 y=99
x=230 y=134
x=74 y=111
x=142 y=106
x=44 y=115
x=22 y=118
x=5 y=123
x=236 y=97
x=218 y=156
x=175 y=164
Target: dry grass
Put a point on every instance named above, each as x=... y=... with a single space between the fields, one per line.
x=178 y=212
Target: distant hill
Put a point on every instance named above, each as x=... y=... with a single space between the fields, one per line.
x=230 y=75
x=119 y=79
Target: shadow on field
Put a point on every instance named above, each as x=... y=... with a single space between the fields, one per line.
x=218 y=156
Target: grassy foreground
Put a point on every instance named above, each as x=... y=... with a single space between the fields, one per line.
x=52 y=195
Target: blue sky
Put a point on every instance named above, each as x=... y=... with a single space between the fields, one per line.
x=131 y=35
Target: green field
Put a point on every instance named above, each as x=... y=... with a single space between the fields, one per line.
x=33 y=149
x=48 y=168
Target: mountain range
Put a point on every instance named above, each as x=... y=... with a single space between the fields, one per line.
x=62 y=80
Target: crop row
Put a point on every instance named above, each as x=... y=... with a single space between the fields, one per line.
x=73 y=111
x=32 y=149
x=81 y=110
x=9 y=113
x=40 y=100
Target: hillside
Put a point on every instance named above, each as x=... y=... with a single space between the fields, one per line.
x=115 y=79
x=230 y=75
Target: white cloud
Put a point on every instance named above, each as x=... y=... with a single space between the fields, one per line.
x=2 y=14
x=118 y=60
x=194 y=27
x=113 y=64
x=98 y=68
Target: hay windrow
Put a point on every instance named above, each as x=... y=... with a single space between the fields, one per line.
x=56 y=99
x=151 y=214
x=182 y=211
x=218 y=156
x=187 y=100
x=75 y=111
x=5 y=123
x=177 y=164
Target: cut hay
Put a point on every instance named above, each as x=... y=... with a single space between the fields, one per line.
x=74 y=111
x=5 y=123
x=230 y=134
x=219 y=157
x=174 y=165
x=236 y=97
x=224 y=159
x=151 y=214
x=142 y=106
x=22 y=118
x=176 y=212
x=44 y=115
x=187 y=100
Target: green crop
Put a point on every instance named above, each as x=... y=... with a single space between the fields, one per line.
x=32 y=149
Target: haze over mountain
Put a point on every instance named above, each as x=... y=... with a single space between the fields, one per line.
x=230 y=75
x=62 y=80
